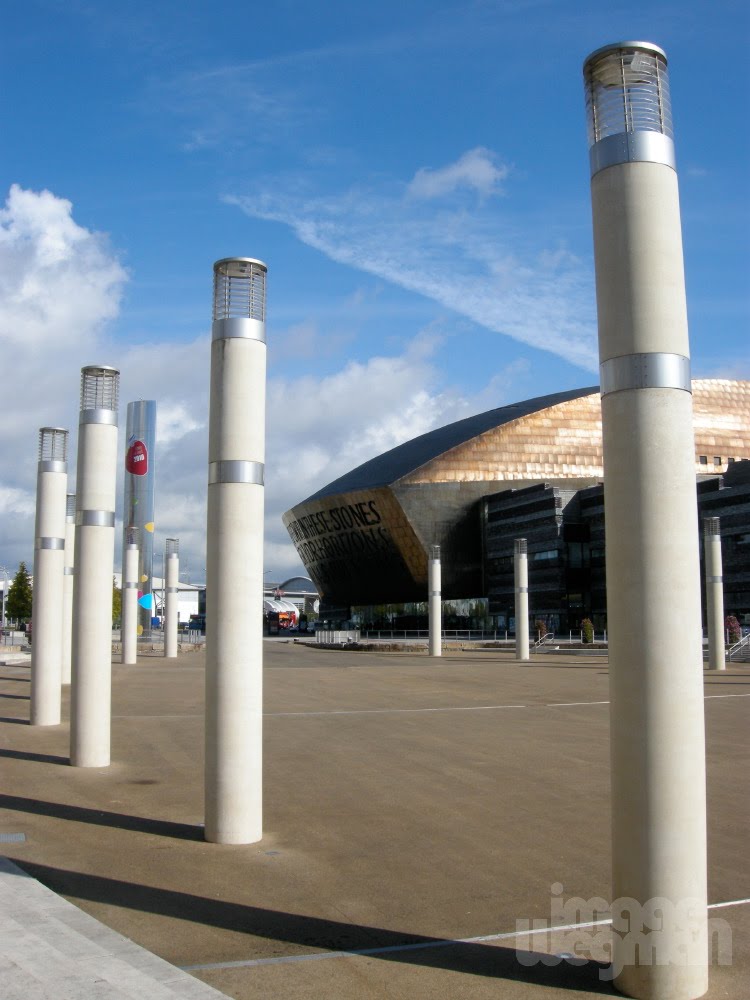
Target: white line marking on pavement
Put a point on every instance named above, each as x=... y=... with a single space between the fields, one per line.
x=397 y=711
x=158 y=716
x=317 y=956
x=412 y=711
x=570 y=704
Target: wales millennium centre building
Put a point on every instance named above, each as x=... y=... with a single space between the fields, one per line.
x=531 y=469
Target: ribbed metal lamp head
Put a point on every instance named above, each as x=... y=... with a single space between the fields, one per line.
x=520 y=546
x=628 y=107
x=53 y=444
x=132 y=535
x=712 y=526
x=434 y=552
x=240 y=289
x=173 y=547
x=100 y=387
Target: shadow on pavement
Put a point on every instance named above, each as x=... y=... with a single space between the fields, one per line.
x=319 y=933
x=98 y=817
x=38 y=758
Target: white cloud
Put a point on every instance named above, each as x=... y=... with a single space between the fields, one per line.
x=60 y=285
x=317 y=427
x=175 y=421
x=59 y=282
x=16 y=501
x=478 y=263
x=476 y=170
x=199 y=100
x=305 y=340
x=349 y=417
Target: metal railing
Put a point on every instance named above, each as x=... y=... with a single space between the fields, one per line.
x=416 y=633
x=742 y=645
x=486 y=635
x=544 y=639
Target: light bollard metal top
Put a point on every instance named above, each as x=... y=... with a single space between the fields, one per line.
x=435 y=603
x=49 y=566
x=234 y=562
x=90 y=706
x=130 y=588
x=171 y=598
x=68 y=574
x=521 y=571
x=652 y=555
x=714 y=593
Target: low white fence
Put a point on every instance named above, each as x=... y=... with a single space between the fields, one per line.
x=336 y=636
x=476 y=635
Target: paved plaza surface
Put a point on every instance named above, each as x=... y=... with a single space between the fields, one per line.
x=415 y=810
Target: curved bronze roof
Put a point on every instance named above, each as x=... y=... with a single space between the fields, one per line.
x=551 y=437
x=412 y=455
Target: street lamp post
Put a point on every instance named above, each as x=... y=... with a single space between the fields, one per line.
x=6 y=581
x=234 y=570
x=657 y=739
x=171 y=597
x=49 y=565
x=91 y=690
x=434 y=597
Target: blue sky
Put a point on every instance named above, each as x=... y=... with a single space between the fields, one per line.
x=415 y=175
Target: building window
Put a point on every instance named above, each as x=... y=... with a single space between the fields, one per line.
x=703 y=459
x=717 y=459
x=547 y=554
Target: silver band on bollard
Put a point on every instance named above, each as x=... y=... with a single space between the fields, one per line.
x=47 y=542
x=655 y=370
x=95 y=518
x=236 y=471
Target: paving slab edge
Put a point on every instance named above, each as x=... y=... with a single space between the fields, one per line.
x=99 y=949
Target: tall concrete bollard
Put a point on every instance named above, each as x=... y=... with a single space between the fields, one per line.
x=435 y=602
x=521 y=569
x=129 y=625
x=714 y=593
x=171 y=599
x=49 y=575
x=68 y=574
x=234 y=564
x=652 y=555
x=90 y=706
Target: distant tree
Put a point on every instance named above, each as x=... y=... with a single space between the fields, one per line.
x=540 y=627
x=18 y=601
x=587 y=630
x=116 y=602
x=732 y=626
